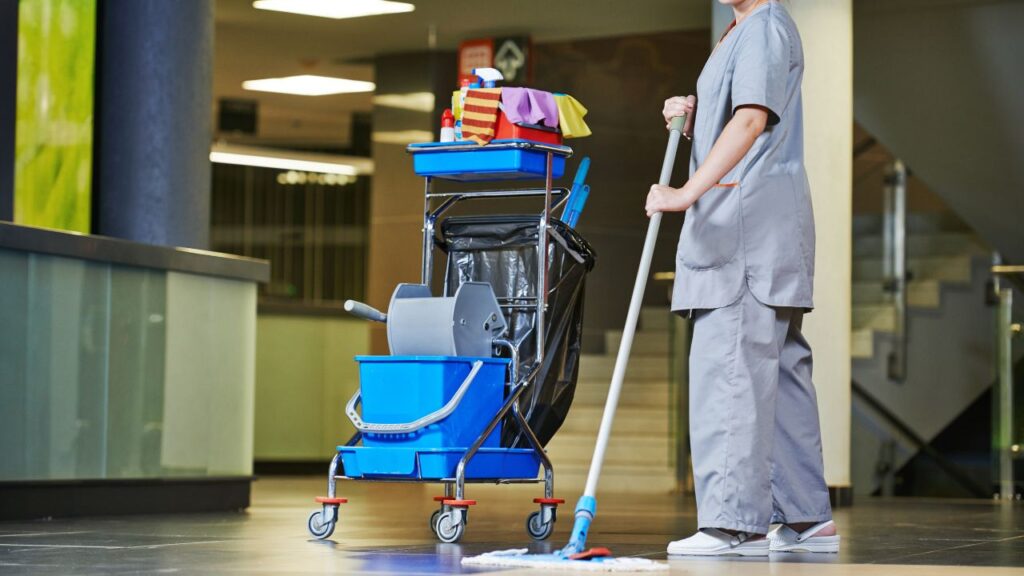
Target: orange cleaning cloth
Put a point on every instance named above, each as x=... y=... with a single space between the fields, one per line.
x=480 y=114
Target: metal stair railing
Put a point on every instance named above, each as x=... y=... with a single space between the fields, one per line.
x=894 y=262
x=1005 y=443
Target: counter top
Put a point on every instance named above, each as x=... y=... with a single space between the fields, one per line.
x=127 y=253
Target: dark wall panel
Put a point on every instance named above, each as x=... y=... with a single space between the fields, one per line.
x=624 y=82
x=8 y=91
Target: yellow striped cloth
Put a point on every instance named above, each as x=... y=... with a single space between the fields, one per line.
x=480 y=114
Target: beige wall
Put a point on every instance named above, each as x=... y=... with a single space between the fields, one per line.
x=827 y=32
x=305 y=373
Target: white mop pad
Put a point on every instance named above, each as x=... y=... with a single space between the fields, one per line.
x=520 y=558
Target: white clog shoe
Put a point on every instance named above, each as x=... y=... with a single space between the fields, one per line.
x=714 y=542
x=785 y=539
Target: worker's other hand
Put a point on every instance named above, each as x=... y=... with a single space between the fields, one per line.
x=666 y=199
x=677 y=106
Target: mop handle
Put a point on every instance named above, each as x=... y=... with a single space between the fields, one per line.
x=622 y=360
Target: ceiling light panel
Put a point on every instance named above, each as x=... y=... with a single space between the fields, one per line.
x=309 y=85
x=416 y=101
x=290 y=160
x=336 y=9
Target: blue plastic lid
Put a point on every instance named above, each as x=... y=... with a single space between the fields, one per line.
x=431 y=359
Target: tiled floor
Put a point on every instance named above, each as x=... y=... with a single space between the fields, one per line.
x=384 y=531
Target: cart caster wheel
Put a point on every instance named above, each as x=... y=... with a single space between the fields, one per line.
x=320 y=527
x=433 y=521
x=536 y=527
x=447 y=529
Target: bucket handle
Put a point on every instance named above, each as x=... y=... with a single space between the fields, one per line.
x=440 y=414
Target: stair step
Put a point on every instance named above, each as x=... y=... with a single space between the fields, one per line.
x=634 y=393
x=645 y=343
x=654 y=319
x=917 y=223
x=926 y=244
x=944 y=268
x=920 y=293
x=617 y=479
x=629 y=420
x=862 y=343
x=600 y=367
x=878 y=317
x=622 y=450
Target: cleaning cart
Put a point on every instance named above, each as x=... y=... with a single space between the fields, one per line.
x=483 y=360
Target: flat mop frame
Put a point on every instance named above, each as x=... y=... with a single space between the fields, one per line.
x=586 y=508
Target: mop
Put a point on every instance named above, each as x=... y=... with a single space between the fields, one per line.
x=575 y=556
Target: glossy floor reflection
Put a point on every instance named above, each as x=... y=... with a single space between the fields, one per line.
x=384 y=531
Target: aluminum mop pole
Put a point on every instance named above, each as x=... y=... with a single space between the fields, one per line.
x=586 y=508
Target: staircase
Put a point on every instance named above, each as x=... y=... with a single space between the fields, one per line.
x=949 y=338
x=639 y=453
x=940 y=252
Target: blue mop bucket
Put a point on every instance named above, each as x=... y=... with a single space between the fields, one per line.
x=404 y=389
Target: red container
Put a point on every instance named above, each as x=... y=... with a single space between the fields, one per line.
x=506 y=130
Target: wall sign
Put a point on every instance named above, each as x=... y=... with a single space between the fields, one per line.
x=512 y=55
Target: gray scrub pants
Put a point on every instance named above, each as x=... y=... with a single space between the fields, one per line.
x=754 y=432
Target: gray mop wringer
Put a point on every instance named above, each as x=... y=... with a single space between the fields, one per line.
x=575 y=556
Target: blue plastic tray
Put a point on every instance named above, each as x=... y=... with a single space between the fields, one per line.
x=470 y=162
x=436 y=463
x=398 y=389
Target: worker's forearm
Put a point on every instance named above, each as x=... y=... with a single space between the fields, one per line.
x=732 y=145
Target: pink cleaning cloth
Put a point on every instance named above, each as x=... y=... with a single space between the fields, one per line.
x=529 y=106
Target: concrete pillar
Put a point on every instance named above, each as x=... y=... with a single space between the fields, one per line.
x=826 y=29
x=153 y=121
x=8 y=97
x=396 y=205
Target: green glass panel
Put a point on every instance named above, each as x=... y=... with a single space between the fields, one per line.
x=121 y=372
x=54 y=122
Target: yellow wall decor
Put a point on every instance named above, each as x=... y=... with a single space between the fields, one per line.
x=54 y=122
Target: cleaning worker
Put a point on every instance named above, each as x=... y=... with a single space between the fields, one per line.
x=744 y=272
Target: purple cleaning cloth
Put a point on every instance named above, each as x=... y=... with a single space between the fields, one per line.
x=529 y=106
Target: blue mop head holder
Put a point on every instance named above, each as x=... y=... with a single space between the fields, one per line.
x=586 y=508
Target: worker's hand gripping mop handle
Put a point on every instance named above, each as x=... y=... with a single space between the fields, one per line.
x=586 y=508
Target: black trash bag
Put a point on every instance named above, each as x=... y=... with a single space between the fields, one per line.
x=502 y=250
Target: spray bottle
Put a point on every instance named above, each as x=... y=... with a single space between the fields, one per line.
x=489 y=76
x=447 y=126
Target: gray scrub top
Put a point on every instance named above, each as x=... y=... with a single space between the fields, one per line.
x=755 y=229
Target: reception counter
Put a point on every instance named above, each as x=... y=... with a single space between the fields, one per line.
x=126 y=376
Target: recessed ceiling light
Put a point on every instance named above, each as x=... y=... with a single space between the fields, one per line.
x=402 y=136
x=289 y=160
x=417 y=101
x=336 y=9
x=309 y=85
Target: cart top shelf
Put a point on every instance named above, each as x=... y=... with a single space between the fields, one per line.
x=500 y=160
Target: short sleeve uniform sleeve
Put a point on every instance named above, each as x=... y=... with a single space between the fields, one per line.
x=762 y=62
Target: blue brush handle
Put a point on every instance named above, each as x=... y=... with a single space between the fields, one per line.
x=578 y=197
x=576 y=204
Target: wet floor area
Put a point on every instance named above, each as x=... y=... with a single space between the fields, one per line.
x=384 y=530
